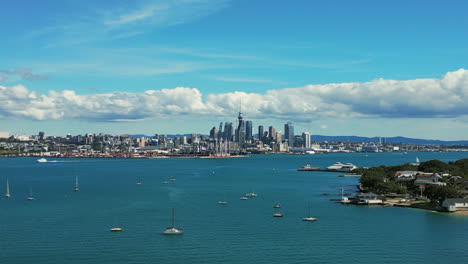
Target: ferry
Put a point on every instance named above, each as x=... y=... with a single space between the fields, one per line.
x=342 y=167
x=307 y=167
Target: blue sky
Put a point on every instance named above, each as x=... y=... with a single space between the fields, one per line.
x=369 y=68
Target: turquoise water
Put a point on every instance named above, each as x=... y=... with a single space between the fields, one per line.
x=61 y=226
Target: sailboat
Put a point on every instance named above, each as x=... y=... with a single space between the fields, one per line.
x=223 y=202
x=76 y=187
x=173 y=230
x=309 y=218
x=7 y=194
x=30 y=197
x=416 y=163
x=138 y=181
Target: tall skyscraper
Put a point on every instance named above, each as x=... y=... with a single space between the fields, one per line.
x=306 y=139
x=248 y=130
x=289 y=133
x=220 y=131
x=213 y=133
x=241 y=130
x=272 y=133
x=260 y=133
x=228 y=130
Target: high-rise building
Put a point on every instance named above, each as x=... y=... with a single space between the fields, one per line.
x=41 y=135
x=279 y=136
x=289 y=133
x=228 y=131
x=220 y=131
x=260 y=133
x=306 y=139
x=213 y=133
x=248 y=130
x=272 y=133
x=241 y=130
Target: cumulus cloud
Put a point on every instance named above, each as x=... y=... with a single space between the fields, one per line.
x=21 y=73
x=419 y=98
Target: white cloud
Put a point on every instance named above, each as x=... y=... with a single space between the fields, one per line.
x=124 y=20
x=419 y=98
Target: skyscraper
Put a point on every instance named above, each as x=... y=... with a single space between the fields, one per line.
x=241 y=131
x=248 y=130
x=220 y=131
x=227 y=135
x=272 y=133
x=289 y=133
x=213 y=133
x=260 y=133
x=306 y=139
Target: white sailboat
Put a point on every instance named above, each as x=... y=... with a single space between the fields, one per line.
x=76 y=187
x=30 y=197
x=309 y=218
x=7 y=194
x=173 y=230
x=223 y=202
x=138 y=181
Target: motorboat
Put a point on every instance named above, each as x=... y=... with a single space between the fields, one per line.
x=222 y=202
x=277 y=215
x=244 y=198
x=41 y=160
x=116 y=229
x=307 y=167
x=277 y=206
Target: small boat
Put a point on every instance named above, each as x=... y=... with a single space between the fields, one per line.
x=251 y=194
x=76 y=187
x=309 y=218
x=173 y=230
x=307 y=167
x=173 y=179
x=41 y=160
x=30 y=197
x=164 y=182
x=7 y=194
x=277 y=206
x=138 y=181
x=244 y=198
x=222 y=202
x=277 y=215
x=116 y=229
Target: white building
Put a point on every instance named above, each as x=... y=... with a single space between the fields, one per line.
x=306 y=138
x=455 y=204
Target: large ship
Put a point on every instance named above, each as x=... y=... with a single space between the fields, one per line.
x=342 y=167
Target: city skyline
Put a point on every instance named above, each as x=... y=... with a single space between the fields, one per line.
x=173 y=67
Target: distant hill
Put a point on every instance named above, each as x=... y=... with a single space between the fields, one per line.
x=404 y=140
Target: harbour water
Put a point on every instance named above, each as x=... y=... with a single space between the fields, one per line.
x=62 y=226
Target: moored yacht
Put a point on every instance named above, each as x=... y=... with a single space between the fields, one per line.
x=173 y=230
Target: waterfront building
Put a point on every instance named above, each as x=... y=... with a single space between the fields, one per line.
x=260 y=133
x=220 y=131
x=289 y=133
x=248 y=130
x=271 y=134
x=228 y=131
x=214 y=133
x=306 y=139
x=241 y=131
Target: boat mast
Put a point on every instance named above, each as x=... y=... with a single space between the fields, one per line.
x=7 y=189
x=173 y=216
